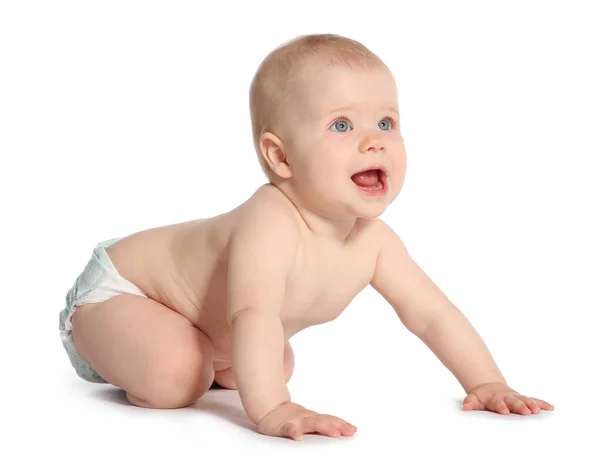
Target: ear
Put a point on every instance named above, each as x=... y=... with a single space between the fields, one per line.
x=273 y=151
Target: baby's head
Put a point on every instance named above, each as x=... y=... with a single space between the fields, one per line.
x=324 y=107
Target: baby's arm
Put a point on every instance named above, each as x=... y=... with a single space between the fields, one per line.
x=426 y=311
x=262 y=255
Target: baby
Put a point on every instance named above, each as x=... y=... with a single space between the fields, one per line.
x=165 y=312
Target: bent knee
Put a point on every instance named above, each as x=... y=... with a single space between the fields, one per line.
x=178 y=381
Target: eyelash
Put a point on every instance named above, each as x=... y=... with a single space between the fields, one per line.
x=342 y=118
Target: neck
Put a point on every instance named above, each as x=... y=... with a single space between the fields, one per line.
x=319 y=225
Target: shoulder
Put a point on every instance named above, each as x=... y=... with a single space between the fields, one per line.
x=386 y=246
x=376 y=232
x=269 y=199
x=262 y=254
x=265 y=227
x=267 y=208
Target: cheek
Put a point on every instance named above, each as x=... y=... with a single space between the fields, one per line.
x=399 y=176
x=323 y=170
x=329 y=157
x=399 y=154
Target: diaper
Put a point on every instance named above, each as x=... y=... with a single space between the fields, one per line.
x=98 y=282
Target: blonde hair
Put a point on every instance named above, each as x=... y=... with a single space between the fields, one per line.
x=272 y=78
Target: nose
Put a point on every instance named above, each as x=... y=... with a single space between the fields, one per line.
x=371 y=143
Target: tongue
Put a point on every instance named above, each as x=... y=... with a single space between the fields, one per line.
x=366 y=179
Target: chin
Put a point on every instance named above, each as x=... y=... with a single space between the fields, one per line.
x=371 y=216
x=370 y=211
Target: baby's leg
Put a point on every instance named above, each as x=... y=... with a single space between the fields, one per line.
x=152 y=352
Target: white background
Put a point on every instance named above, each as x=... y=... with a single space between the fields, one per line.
x=121 y=116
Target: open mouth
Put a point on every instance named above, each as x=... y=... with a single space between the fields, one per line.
x=372 y=181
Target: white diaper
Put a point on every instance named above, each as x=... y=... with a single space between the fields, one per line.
x=98 y=282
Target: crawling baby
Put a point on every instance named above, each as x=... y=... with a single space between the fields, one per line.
x=166 y=312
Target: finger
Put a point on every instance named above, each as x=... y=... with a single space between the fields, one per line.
x=293 y=431
x=497 y=404
x=319 y=424
x=347 y=429
x=516 y=405
x=533 y=407
x=327 y=427
x=343 y=426
x=310 y=424
x=542 y=404
x=471 y=402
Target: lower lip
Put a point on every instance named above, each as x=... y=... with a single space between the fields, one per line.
x=377 y=192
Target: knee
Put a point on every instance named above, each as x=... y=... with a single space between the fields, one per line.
x=189 y=380
x=178 y=381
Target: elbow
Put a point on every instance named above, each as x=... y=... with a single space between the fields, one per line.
x=231 y=318
x=252 y=311
x=416 y=323
x=419 y=329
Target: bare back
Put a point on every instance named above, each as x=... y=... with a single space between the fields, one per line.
x=184 y=266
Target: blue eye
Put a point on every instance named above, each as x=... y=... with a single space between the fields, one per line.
x=343 y=125
x=384 y=121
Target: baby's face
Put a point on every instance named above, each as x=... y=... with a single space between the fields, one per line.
x=339 y=122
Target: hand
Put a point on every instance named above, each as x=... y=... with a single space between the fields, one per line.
x=293 y=421
x=498 y=397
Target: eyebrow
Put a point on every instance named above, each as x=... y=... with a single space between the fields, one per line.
x=351 y=108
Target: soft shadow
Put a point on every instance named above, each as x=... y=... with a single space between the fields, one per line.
x=226 y=404
x=218 y=401
x=113 y=395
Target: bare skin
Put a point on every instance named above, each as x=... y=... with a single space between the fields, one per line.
x=226 y=293
x=183 y=268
